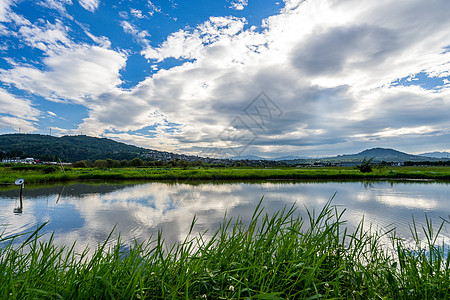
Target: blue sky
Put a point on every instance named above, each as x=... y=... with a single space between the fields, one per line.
x=232 y=77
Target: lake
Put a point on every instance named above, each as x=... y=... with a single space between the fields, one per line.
x=86 y=212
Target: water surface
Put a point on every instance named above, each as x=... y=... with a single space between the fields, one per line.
x=87 y=212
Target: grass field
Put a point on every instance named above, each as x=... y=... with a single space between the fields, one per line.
x=36 y=174
x=280 y=256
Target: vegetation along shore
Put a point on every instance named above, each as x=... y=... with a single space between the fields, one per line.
x=279 y=256
x=43 y=173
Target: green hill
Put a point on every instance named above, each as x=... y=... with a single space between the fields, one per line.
x=67 y=148
x=384 y=154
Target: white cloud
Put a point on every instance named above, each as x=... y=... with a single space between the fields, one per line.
x=16 y=112
x=153 y=8
x=303 y=58
x=77 y=74
x=103 y=41
x=17 y=107
x=90 y=5
x=137 y=13
x=239 y=4
x=18 y=124
x=327 y=64
x=4 y=9
x=193 y=44
x=140 y=35
x=46 y=36
x=58 y=5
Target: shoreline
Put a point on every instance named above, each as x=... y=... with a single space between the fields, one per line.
x=38 y=175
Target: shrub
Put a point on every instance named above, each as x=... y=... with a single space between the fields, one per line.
x=366 y=165
x=50 y=169
x=80 y=164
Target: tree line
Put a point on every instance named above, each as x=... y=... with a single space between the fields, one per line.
x=176 y=163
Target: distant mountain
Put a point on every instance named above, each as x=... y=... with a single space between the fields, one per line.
x=445 y=155
x=67 y=148
x=378 y=155
x=291 y=157
x=383 y=154
x=254 y=157
x=248 y=157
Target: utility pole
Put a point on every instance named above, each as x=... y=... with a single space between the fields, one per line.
x=62 y=167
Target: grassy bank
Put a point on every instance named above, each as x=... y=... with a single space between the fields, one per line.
x=275 y=257
x=48 y=174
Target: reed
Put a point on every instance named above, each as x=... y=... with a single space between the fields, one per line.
x=276 y=256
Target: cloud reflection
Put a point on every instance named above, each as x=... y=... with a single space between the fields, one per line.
x=87 y=213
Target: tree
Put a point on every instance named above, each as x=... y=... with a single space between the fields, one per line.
x=80 y=164
x=366 y=165
x=136 y=162
x=100 y=163
x=112 y=163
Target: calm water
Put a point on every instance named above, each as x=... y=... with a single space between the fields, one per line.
x=86 y=212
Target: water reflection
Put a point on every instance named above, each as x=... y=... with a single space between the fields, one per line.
x=86 y=212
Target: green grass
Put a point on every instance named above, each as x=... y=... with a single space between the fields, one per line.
x=276 y=256
x=36 y=174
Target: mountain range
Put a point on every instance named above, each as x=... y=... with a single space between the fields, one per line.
x=445 y=155
x=378 y=155
x=82 y=147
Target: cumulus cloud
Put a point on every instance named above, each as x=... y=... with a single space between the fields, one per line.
x=58 y=5
x=16 y=112
x=90 y=5
x=153 y=8
x=330 y=63
x=17 y=107
x=76 y=74
x=191 y=44
x=4 y=9
x=239 y=4
x=137 y=13
x=139 y=35
x=46 y=36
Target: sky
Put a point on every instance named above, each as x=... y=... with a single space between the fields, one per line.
x=230 y=77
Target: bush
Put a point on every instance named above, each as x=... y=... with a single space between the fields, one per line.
x=80 y=164
x=366 y=165
x=111 y=163
x=136 y=162
x=50 y=169
x=101 y=163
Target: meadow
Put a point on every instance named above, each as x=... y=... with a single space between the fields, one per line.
x=38 y=174
x=277 y=256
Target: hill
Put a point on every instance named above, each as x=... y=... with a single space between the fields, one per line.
x=67 y=148
x=379 y=155
x=384 y=154
x=445 y=155
x=82 y=147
